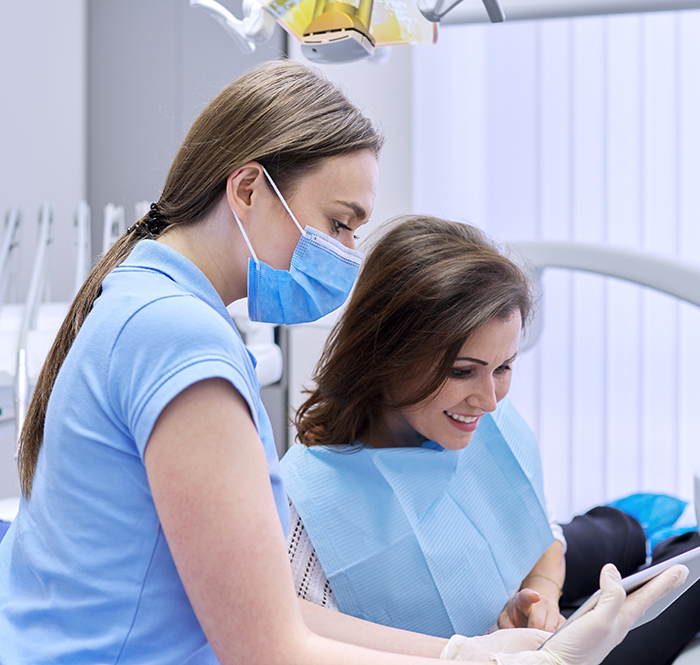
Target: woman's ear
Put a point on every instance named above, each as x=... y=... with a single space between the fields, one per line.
x=243 y=187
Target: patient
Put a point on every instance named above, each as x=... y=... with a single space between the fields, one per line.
x=417 y=499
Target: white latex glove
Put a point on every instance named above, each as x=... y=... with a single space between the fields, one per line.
x=588 y=640
x=503 y=641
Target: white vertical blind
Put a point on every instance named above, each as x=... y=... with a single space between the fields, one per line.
x=582 y=129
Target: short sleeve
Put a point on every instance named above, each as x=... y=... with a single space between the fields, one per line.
x=557 y=531
x=165 y=347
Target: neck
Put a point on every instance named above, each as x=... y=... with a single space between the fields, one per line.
x=218 y=252
x=393 y=432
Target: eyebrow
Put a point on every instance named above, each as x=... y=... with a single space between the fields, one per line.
x=484 y=363
x=357 y=209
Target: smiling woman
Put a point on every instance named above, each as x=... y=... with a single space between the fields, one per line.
x=412 y=382
x=435 y=519
x=479 y=379
x=426 y=290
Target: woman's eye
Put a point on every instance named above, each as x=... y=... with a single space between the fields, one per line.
x=339 y=226
x=502 y=369
x=460 y=373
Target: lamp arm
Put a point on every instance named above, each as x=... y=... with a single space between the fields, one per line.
x=230 y=23
x=435 y=12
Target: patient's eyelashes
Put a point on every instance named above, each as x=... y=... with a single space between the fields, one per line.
x=466 y=372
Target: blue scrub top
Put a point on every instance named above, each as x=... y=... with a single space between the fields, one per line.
x=86 y=575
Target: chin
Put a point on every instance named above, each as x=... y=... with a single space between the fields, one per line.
x=455 y=445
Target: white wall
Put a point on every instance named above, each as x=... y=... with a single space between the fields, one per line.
x=153 y=66
x=42 y=146
x=584 y=130
x=42 y=123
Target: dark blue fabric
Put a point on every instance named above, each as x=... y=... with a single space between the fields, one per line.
x=608 y=534
x=4 y=526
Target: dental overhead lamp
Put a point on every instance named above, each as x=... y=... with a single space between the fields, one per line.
x=332 y=31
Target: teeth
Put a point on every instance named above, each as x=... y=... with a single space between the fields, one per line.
x=461 y=419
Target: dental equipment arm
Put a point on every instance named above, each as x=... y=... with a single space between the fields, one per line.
x=8 y=249
x=230 y=23
x=435 y=12
x=339 y=32
x=83 y=259
x=529 y=10
x=256 y=27
x=37 y=289
x=113 y=226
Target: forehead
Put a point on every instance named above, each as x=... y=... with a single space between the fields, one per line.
x=495 y=341
x=343 y=179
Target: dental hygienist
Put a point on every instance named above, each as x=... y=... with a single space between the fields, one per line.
x=152 y=523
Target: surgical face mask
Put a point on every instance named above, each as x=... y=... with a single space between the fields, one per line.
x=318 y=281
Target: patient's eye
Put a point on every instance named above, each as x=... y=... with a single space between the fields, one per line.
x=461 y=372
x=503 y=369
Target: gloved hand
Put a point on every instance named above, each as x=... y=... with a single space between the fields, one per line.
x=588 y=640
x=503 y=641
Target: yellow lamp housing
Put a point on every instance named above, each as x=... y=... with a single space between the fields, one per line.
x=339 y=32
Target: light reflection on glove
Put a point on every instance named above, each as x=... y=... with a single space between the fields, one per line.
x=588 y=640
x=503 y=641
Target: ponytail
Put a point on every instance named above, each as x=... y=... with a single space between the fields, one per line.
x=281 y=114
x=32 y=433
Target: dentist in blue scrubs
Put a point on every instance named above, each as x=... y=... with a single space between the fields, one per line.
x=152 y=522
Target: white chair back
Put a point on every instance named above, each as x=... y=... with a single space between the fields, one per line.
x=671 y=276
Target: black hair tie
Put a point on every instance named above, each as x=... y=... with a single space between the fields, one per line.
x=156 y=221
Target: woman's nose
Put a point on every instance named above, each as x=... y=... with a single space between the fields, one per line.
x=483 y=396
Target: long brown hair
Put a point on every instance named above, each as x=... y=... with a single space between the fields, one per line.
x=283 y=115
x=425 y=287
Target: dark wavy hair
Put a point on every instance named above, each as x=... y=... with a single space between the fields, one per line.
x=425 y=287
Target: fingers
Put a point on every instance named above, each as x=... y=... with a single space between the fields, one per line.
x=522 y=639
x=505 y=621
x=513 y=641
x=544 y=616
x=612 y=593
x=640 y=601
x=517 y=609
x=524 y=600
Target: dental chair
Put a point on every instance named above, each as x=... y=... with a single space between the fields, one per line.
x=672 y=277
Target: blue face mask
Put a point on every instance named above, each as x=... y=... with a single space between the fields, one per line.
x=318 y=281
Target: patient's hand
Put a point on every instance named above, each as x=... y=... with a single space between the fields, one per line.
x=530 y=609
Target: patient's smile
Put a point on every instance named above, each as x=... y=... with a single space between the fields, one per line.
x=461 y=419
x=478 y=380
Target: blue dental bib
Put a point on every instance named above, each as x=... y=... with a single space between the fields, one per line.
x=425 y=539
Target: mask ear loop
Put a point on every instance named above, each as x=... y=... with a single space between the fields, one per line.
x=245 y=237
x=281 y=198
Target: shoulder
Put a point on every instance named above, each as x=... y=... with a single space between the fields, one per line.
x=167 y=345
x=177 y=332
x=179 y=319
